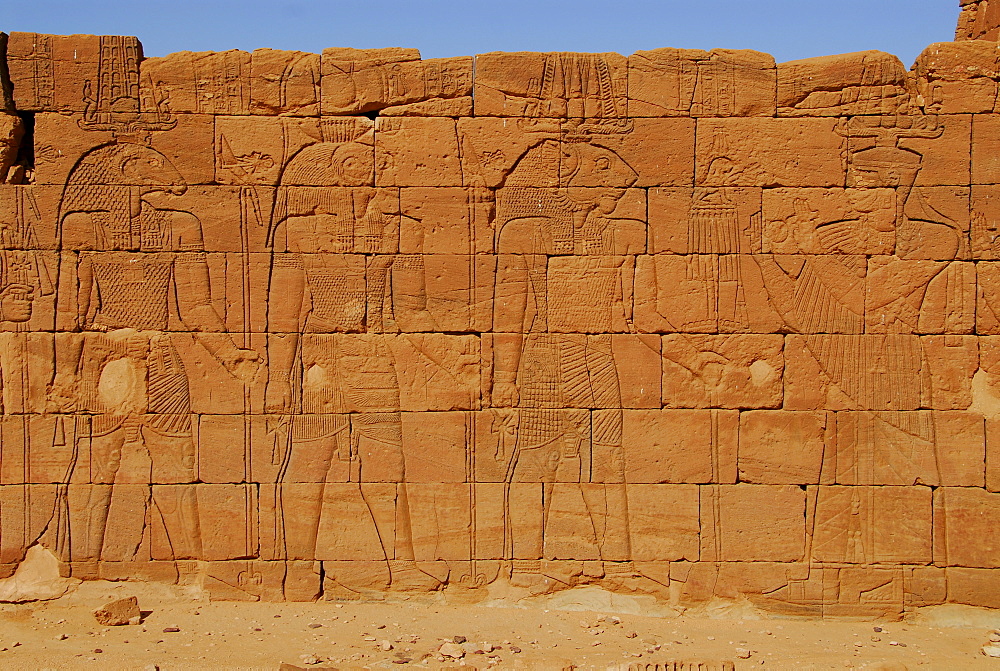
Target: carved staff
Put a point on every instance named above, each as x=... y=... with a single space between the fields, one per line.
x=249 y=210
x=242 y=171
x=478 y=197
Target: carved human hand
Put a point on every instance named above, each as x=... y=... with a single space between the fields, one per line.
x=60 y=395
x=505 y=421
x=15 y=303
x=710 y=366
x=243 y=364
x=984 y=240
x=380 y=261
x=505 y=394
x=278 y=396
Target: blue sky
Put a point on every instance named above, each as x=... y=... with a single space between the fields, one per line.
x=788 y=29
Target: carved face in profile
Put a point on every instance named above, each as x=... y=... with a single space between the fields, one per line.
x=101 y=181
x=595 y=175
x=870 y=230
x=149 y=168
x=354 y=164
x=331 y=164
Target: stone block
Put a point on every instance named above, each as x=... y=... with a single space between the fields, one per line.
x=872 y=525
x=200 y=82
x=769 y=153
x=958 y=77
x=753 y=523
x=907 y=448
x=417 y=152
x=60 y=73
x=842 y=222
x=779 y=447
x=865 y=82
x=679 y=446
x=692 y=82
x=540 y=85
x=284 y=83
x=731 y=371
x=368 y=80
x=664 y=522
x=964 y=532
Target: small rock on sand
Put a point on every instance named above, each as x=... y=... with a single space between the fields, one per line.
x=120 y=612
x=453 y=650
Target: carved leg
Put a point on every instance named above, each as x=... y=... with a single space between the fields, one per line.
x=175 y=495
x=319 y=452
x=177 y=506
x=106 y=452
x=537 y=464
x=379 y=440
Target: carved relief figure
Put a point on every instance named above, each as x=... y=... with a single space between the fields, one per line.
x=137 y=257
x=332 y=377
x=880 y=368
x=24 y=274
x=919 y=226
x=577 y=86
x=140 y=272
x=687 y=323
x=24 y=277
x=566 y=271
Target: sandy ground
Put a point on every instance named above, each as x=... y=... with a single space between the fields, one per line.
x=582 y=629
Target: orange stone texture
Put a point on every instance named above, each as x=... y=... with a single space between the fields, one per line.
x=690 y=324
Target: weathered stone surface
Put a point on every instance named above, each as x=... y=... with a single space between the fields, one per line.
x=829 y=221
x=11 y=132
x=6 y=87
x=664 y=523
x=203 y=82
x=783 y=448
x=985 y=138
x=755 y=523
x=866 y=82
x=680 y=446
x=966 y=535
x=973 y=586
x=736 y=371
x=873 y=525
x=284 y=83
x=686 y=323
x=556 y=85
x=367 y=80
x=691 y=82
x=769 y=152
x=958 y=77
x=979 y=20
x=63 y=72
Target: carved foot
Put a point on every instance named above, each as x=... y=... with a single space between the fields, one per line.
x=406 y=576
x=624 y=577
x=529 y=575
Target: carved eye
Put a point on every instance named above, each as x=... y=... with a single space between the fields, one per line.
x=156 y=163
x=603 y=163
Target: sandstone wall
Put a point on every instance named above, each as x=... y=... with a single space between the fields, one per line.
x=686 y=323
